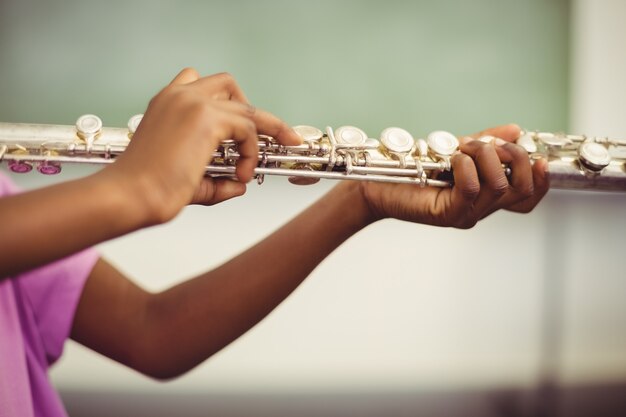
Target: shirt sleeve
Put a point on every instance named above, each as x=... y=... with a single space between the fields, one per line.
x=53 y=292
x=7 y=187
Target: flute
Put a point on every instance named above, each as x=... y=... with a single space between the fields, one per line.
x=345 y=153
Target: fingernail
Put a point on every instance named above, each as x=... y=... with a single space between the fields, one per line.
x=465 y=139
x=295 y=135
x=499 y=142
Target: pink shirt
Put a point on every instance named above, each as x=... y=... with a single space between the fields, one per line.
x=36 y=314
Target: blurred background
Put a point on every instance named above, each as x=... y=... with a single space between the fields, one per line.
x=521 y=315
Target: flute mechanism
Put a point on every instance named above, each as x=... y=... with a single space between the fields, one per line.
x=347 y=153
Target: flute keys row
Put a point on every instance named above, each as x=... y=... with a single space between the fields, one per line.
x=393 y=139
x=44 y=167
x=593 y=154
x=88 y=127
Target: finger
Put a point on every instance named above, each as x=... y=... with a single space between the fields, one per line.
x=266 y=123
x=186 y=76
x=542 y=185
x=465 y=191
x=221 y=87
x=242 y=109
x=215 y=190
x=509 y=133
x=494 y=183
x=243 y=131
x=270 y=125
x=541 y=176
x=521 y=177
x=541 y=179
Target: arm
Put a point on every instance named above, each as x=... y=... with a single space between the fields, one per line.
x=164 y=335
x=160 y=172
x=44 y=225
x=173 y=331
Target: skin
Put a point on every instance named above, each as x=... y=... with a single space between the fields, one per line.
x=165 y=334
x=161 y=171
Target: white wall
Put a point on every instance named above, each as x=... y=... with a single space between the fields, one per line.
x=598 y=79
x=594 y=235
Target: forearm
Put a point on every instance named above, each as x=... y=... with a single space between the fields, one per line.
x=43 y=225
x=193 y=320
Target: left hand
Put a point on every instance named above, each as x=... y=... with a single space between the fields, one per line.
x=163 y=168
x=480 y=185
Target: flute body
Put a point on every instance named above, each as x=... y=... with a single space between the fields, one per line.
x=347 y=153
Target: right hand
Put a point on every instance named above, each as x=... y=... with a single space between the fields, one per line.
x=183 y=125
x=480 y=185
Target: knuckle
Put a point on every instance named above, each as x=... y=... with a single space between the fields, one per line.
x=527 y=191
x=500 y=187
x=471 y=190
x=462 y=161
x=482 y=150
x=225 y=75
x=174 y=97
x=250 y=110
x=516 y=150
x=191 y=70
x=226 y=78
x=250 y=128
x=518 y=154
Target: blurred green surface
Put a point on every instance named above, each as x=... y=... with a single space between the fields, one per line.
x=422 y=65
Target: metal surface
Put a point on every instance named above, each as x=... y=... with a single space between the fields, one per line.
x=347 y=153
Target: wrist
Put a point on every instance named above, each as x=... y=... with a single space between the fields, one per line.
x=126 y=199
x=354 y=198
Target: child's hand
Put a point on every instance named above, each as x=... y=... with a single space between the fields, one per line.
x=480 y=185
x=183 y=125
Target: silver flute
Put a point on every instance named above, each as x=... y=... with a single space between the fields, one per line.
x=345 y=153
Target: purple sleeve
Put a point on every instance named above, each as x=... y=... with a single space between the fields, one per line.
x=52 y=291
x=7 y=187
